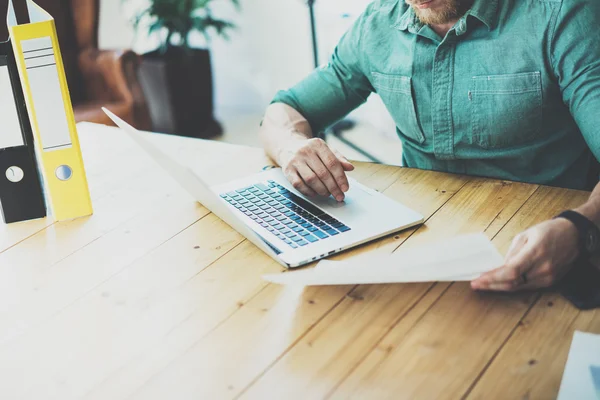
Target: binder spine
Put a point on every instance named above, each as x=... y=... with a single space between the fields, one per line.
x=21 y=192
x=48 y=101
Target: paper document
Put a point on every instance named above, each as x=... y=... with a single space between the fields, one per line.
x=461 y=259
x=581 y=379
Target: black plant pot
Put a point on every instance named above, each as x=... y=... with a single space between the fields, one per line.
x=178 y=87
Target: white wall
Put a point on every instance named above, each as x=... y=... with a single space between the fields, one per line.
x=270 y=50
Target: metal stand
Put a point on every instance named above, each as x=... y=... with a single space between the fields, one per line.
x=338 y=128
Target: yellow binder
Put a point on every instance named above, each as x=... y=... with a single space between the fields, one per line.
x=50 y=110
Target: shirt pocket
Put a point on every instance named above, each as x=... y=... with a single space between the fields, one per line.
x=397 y=95
x=506 y=110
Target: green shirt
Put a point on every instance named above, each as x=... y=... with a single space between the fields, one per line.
x=511 y=92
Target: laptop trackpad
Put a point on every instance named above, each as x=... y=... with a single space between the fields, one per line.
x=356 y=203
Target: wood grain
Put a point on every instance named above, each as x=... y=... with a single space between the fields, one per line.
x=458 y=336
x=329 y=353
x=155 y=297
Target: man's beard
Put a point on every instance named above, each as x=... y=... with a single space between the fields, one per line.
x=447 y=11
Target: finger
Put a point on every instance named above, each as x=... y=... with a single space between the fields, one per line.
x=334 y=166
x=513 y=268
x=298 y=183
x=347 y=165
x=324 y=173
x=311 y=178
x=516 y=245
x=497 y=287
x=492 y=276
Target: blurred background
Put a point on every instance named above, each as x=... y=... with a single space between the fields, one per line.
x=206 y=68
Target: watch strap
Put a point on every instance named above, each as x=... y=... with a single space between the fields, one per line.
x=583 y=226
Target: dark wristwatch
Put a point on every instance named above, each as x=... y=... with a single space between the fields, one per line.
x=589 y=234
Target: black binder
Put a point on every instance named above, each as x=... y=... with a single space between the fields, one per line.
x=21 y=193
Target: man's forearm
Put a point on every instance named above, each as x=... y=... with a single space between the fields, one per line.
x=591 y=209
x=281 y=125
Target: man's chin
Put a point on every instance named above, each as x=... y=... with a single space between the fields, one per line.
x=435 y=17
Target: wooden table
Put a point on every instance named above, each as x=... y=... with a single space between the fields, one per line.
x=153 y=297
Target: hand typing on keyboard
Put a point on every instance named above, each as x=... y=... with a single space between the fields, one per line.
x=287 y=216
x=312 y=167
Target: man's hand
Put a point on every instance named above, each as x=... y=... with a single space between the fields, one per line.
x=537 y=258
x=312 y=167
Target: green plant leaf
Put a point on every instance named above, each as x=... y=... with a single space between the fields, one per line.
x=181 y=17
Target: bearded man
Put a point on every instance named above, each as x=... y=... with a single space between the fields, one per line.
x=506 y=89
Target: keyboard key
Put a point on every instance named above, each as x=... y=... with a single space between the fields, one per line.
x=305 y=233
x=244 y=189
x=289 y=214
x=223 y=195
x=278 y=226
x=290 y=234
x=296 y=218
x=261 y=186
x=297 y=229
x=311 y=238
x=288 y=222
x=307 y=225
x=320 y=234
x=247 y=212
x=313 y=229
x=264 y=224
x=268 y=219
x=303 y=243
x=231 y=194
x=288 y=241
x=280 y=218
x=285 y=231
x=332 y=232
x=273 y=212
x=261 y=214
x=301 y=221
x=252 y=208
x=297 y=238
x=293 y=245
x=343 y=228
x=270 y=229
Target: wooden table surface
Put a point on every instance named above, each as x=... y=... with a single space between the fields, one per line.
x=153 y=297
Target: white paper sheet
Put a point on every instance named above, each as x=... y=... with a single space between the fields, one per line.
x=463 y=258
x=581 y=379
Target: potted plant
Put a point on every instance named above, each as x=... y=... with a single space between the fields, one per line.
x=177 y=78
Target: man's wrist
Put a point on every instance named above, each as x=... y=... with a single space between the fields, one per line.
x=586 y=232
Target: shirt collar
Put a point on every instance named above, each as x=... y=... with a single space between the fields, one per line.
x=484 y=10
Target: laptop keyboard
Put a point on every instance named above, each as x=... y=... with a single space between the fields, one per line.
x=287 y=216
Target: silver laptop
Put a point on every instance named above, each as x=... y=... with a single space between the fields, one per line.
x=291 y=228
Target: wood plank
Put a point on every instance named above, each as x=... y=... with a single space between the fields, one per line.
x=136 y=373
x=329 y=352
x=115 y=164
x=223 y=368
x=127 y=305
x=531 y=364
x=457 y=337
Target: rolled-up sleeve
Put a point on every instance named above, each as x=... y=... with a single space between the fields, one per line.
x=332 y=91
x=575 y=52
